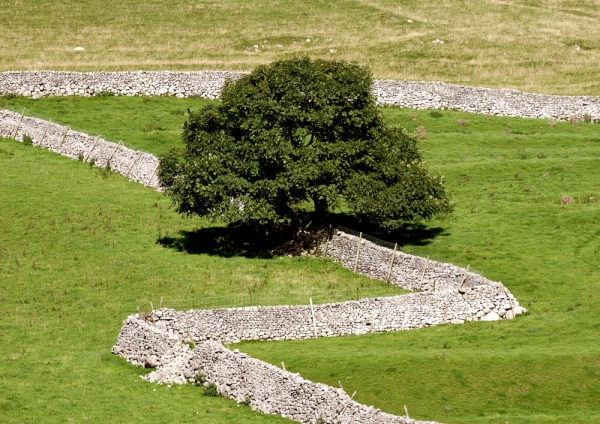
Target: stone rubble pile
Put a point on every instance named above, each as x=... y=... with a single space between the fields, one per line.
x=136 y=165
x=208 y=84
x=265 y=387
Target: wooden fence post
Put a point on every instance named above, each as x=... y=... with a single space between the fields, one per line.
x=134 y=162
x=152 y=175
x=312 y=311
x=424 y=271
x=87 y=156
x=406 y=412
x=45 y=131
x=392 y=263
x=62 y=140
x=357 y=252
x=326 y=245
x=18 y=125
x=114 y=151
x=346 y=406
x=464 y=276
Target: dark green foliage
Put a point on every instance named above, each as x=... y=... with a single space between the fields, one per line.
x=296 y=131
x=211 y=390
x=435 y=114
x=27 y=141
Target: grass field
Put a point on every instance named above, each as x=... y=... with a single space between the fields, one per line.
x=523 y=44
x=79 y=252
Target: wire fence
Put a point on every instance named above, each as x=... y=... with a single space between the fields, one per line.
x=389 y=245
x=124 y=131
x=274 y=298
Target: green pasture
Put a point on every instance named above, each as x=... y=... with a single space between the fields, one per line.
x=549 y=46
x=80 y=250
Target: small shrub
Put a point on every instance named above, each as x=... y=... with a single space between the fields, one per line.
x=587 y=119
x=411 y=117
x=93 y=162
x=105 y=93
x=247 y=400
x=80 y=156
x=190 y=343
x=435 y=114
x=420 y=133
x=211 y=390
x=462 y=122
x=542 y=155
x=194 y=96
x=321 y=420
x=27 y=141
x=566 y=200
x=200 y=377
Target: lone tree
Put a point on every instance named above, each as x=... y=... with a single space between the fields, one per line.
x=295 y=131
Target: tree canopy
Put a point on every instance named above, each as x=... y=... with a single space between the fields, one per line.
x=295 y=131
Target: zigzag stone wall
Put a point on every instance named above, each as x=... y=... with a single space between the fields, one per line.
x=157 y=340
x=208 y=84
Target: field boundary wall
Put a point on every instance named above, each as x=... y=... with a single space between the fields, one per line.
x=208 y=84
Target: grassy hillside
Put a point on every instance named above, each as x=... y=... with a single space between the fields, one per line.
x=529 y=45
x=79 y=252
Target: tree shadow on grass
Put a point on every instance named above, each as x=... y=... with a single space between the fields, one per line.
x=252 y=242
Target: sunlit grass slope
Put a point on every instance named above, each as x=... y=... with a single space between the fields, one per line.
x=79 y=253
x=544 y=46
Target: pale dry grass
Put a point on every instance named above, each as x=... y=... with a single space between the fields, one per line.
x=528 y=45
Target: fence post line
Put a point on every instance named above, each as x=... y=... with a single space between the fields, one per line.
x=87 y=156
x=45 y=131
x=62 y=140
x=424 y=271
x=406 y=412
x=392 y=263
x=18 y=125
x=312 y=311
x=357 y=252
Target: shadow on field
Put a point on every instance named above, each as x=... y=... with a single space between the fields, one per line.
x=259 y=243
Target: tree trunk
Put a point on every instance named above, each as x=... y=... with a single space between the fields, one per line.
x=321 y=209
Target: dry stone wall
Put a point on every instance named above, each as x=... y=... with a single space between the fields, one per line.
x=136 y=165
x=265 y=387
x=208 y=84
x=408 y=271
